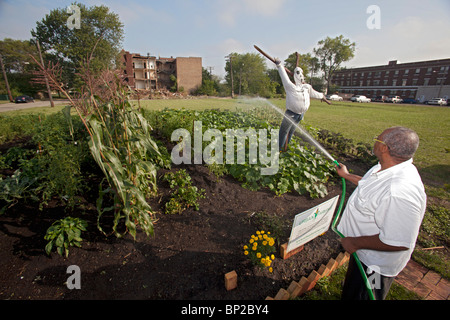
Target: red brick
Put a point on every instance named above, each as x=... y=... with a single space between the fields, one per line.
x=332 y=265
x=285 y=254
x=231 y=280
x=408 y=282
x=294 y=289
x=304 y=284
x=431 y=279
x=312 y=278
x=443 y=288
x=323 y=271
x=412 y=265
x=282 y=295
x=340 y=259
x=422 y=290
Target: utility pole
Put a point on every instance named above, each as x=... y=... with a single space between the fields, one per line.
x=6 y=80
x=45 y=76
x=231 y=74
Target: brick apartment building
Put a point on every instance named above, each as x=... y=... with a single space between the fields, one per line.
x=421 y=80
x=151 y=73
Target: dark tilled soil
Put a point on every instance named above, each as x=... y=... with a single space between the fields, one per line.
x=186 y=258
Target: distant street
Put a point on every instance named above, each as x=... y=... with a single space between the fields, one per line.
x=19 y=106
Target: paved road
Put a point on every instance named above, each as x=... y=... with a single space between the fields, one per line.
x=19 y=106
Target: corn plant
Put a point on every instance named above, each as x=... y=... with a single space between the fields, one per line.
x=120 y=143
x=123 y=148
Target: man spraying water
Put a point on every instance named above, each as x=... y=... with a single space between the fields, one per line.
x=298 y=96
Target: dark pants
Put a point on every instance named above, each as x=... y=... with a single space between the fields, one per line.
x=355 y=287
x=287 y=128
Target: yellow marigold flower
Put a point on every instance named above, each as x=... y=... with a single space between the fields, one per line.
x=257 y=232
x=262 y=232
x=245 y=247
x=263 y=260
x=254 y=248
x=260 y=237
x=258 y=255
x=264 y=243
x=270 y=269
x=272 y=257
x=246 y=252
x=251 y=240
x=265 y=236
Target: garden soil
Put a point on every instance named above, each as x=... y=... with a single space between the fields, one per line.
x=186 y=258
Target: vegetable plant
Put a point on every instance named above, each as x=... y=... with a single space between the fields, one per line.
x=63 y=234
x=184 y=194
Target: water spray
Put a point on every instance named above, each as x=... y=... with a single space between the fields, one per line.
x=306 y=136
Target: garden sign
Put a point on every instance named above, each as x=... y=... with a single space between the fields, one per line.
x=311 y=223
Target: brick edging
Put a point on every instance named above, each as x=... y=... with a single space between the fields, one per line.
x=297 y=289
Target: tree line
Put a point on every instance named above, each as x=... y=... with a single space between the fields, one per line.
x=98 y=40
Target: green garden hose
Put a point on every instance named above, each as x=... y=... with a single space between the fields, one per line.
x=355 y=256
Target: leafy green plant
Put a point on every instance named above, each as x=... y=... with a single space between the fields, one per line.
x=63 y=234
x=185 y=195
x=15 y=187
x=300 y=170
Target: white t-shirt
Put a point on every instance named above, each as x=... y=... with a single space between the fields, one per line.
x=390 y=203
x=297 y=95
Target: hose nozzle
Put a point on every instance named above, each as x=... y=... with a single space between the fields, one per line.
x=336 y=163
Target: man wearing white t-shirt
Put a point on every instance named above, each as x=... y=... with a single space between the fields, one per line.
x=382 y=218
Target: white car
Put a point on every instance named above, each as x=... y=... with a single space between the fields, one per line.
x=394 y=99
x=438 y=101
x=359 y=98
x=335 y=97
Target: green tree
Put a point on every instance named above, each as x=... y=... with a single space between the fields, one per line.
x=71 y=47
x=19 y=67
x=332 y=52
x=249 y=74
x=210 y=84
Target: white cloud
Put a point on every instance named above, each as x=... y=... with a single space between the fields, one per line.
x=230 y=10
x=410 y=39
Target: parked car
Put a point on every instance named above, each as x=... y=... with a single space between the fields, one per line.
x=23 y=99
x=335 y=97
x=410 y=100
x=380 y=99
x=358 y=98
x=394 y=99
x=437 y=101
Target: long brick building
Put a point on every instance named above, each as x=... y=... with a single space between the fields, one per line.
x=151 y=73
x=421 y=80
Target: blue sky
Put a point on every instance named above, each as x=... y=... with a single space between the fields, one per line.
x=410 y=30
